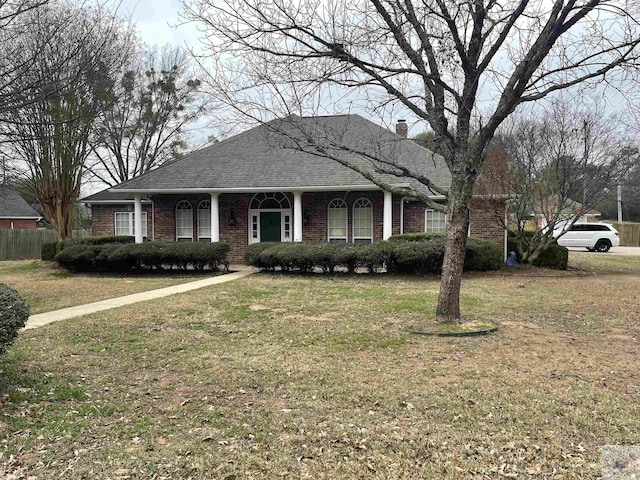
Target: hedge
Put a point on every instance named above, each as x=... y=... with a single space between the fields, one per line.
x=415 y=256
x=49 y=250
x=554 y=256
x=143 y=256
x=14 y=314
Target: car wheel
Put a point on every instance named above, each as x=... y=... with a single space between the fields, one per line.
x=603 y=246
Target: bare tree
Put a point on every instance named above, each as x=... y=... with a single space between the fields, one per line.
x=72 y=50
x=559 y=165
x=156 y=98
x=461 y=66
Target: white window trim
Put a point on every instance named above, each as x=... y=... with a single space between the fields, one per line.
x=426 y=211
x=283 y=213
x=176 y=219
x=208 y=216
x=353 y=220
x=346 y=220
x=131 y=231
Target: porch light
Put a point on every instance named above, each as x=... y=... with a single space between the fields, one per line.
x=232 y=218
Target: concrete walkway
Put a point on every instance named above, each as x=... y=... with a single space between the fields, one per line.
x=46 y=318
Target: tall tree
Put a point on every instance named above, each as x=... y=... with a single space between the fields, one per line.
x=559 y=165
x=14 y=16
x=156 y=98
x=73 y=48
x=461 y=66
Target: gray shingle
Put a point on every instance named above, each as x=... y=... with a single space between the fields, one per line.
x=277 y=155
x=12 y=205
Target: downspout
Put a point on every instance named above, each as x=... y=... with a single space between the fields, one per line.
x=153 y=220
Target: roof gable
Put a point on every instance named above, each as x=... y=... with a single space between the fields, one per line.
x=12 y=205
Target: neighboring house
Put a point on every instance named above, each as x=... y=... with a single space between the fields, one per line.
x=15 y=212
x=571 y=209
x=266 y=185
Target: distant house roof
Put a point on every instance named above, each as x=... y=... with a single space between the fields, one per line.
x=570 y=208
x=278 y=156
x=12 y=205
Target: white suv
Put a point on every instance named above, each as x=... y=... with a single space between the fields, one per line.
x=599 y=237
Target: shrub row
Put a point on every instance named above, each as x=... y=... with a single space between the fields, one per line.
x=143 y=256
x=14 y=313
x=554 y=256
x=397 y=255
x=49 y=250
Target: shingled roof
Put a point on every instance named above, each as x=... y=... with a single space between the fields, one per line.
x=283 y=155
x=12 y=205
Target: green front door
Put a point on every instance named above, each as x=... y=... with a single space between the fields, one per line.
x=270 y=227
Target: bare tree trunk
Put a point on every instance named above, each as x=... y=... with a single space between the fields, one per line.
x=448 y=310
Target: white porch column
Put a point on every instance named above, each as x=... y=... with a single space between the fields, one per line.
x=215 y=218
x=297 y=216
x=137 y=217
x=387 y=216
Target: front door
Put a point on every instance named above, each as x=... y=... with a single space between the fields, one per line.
x=270 y=227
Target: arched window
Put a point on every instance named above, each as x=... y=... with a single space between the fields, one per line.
x=184 y=221
x=434 y=221
x=204 y=220
x=362 y=221
x=337 y=221
x=270 y=201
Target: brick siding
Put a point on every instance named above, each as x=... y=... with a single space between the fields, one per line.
x=17 y=223
x=315 y=210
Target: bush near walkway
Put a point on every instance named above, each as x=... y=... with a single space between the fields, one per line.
x=14 y=313
x=143 y=256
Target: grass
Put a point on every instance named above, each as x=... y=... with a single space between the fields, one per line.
x=47 y=287
x=277 y=376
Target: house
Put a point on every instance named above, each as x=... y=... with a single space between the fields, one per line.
x=271 y=184
x=551 y=209
x=15 y=212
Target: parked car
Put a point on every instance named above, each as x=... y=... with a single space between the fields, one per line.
x=598 y=237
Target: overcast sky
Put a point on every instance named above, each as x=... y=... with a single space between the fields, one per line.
x=157 y=21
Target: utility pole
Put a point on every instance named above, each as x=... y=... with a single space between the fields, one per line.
x=619 y=203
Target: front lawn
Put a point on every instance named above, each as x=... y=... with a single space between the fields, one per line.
x=277 y=376
x=47 y=287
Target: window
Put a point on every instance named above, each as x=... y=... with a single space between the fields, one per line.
x=270 y=201
x=254 y=228
x=204 y=220
x=124 y=223
x=337 y=221
x=362 y=221
x=184 y=220
x=287 y=228
x=434 y=221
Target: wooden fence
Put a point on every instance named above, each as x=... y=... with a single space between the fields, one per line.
x=19 y=244
x=629 y=234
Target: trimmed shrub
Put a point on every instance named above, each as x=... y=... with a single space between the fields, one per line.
x=554 y=256
x=14 y=314
x=253 y=251
x=48 y=251
x=121 y=257
x=416 y=257
x=100 y=240
x=351 y=256
x=483 y=255
x=417 y=237
x=78 y=258
x=420 y=257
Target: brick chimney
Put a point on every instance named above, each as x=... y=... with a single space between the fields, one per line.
x=402 y=128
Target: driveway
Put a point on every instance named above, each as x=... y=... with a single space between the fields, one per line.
x=633 y=251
